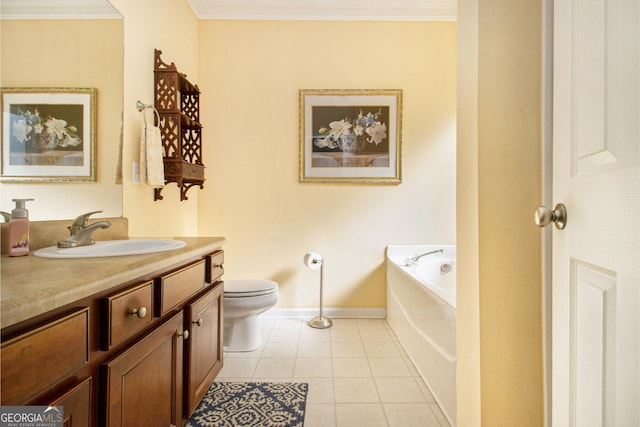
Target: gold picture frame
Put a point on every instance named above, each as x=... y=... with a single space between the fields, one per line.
x=350 y=136
x=48 y=135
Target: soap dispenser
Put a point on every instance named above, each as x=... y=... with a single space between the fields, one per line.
x=18 y=236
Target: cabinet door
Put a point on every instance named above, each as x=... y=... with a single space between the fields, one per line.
x=77 y=405
x=204 y=347
x=142 y=386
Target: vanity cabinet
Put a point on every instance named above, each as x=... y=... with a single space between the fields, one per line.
x=181 y=357
x=140 y=353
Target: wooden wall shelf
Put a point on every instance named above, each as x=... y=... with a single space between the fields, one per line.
x=178 y=103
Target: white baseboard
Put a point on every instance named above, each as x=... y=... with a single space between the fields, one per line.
x=336 y=313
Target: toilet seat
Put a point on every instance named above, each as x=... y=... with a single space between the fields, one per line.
x=249 y=288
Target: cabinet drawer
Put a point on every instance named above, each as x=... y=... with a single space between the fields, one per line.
x=38 y=359
x=125 y=313
x=174 y=288
x=215 y=266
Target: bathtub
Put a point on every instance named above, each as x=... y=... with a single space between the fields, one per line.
x=421 y=310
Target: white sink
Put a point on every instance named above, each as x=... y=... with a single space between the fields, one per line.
x=112 y=248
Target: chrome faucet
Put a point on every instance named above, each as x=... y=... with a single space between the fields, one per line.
x=81 y=231
x=414 y=259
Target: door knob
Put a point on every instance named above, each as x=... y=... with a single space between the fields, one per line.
x=545 y=216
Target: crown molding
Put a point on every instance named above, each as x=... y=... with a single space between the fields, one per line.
x=327 y=10
x=306 y=10
x=58 y=9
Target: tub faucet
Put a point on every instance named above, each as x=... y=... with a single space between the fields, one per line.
x=414 y=259
x=81 y=232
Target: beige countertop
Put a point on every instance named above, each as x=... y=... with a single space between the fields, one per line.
x=30 y=285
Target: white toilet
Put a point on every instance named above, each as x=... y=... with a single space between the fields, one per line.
x=244 y=300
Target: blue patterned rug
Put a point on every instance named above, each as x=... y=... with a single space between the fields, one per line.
x=251 y=405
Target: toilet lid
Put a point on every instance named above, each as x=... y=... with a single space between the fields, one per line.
x=241 y=287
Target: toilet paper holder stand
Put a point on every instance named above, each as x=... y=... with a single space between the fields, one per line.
x=320 y=321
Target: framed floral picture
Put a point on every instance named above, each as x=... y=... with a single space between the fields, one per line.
x=48 y=134
x=350 y=136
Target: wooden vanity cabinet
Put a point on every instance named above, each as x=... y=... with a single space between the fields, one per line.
x=177 y=360
x=110 y=364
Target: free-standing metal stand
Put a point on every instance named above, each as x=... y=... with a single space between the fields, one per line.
x=320 y=322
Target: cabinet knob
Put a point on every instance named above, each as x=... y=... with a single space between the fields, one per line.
x=138 y=312
x=198 y=322
x=184 y=334
x=218 y=265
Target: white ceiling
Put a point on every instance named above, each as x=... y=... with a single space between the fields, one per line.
x=376 y=10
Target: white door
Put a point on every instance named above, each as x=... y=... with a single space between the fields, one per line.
x=595 y=290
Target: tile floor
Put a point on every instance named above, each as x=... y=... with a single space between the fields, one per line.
x=357 y=371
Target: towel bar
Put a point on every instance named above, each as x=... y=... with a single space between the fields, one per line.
x=143 y=107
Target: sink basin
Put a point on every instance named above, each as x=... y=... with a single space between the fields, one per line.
x=112 y=248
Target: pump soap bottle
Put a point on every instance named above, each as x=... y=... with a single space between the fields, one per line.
x=18 y=235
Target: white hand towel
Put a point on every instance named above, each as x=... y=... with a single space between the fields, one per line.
x=151 y=160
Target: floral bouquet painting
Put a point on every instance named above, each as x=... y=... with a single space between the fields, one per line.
x=43 y=128
x=350 y=135
x=48 y=134
x=350 y=129
x=365 y=131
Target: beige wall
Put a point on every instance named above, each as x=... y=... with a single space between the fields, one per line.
x=499 y=247
x=250 y=74
x=69 y=53
x=467 y=227
x=171 y=26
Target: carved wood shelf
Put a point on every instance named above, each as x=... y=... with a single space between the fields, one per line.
x=178 y=103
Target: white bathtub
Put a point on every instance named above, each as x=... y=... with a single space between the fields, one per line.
x=421 y=309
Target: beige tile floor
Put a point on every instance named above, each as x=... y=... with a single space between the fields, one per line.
x=357 y=371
